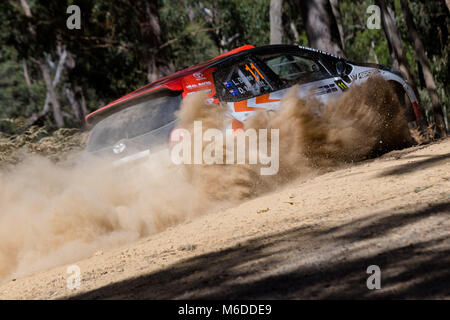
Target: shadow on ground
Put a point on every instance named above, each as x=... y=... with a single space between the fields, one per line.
x=280 y=267
x=416 y=165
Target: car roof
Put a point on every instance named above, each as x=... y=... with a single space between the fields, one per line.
x=173 y=81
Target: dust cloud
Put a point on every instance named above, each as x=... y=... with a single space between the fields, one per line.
x=366 y=121
x=52 y=214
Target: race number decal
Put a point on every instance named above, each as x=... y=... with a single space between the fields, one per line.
x=253 y=74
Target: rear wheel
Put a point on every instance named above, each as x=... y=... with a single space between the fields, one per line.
x=404 y=100
x=400 y=135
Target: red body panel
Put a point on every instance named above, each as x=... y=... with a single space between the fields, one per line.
x=187 y=80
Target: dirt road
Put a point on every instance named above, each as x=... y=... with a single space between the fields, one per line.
x=313 y=239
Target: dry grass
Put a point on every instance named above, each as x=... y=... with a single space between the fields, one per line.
x=38 y=140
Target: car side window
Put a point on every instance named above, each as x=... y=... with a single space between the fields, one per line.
x=295 y=69
x=241 y=81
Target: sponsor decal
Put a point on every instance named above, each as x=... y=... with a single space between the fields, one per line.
x=199 y=76
x=119 y=147
x=253 y=68
x=200 y=81
x=235 y=92
x=319 y=51
x=367 y=73
x=326 y=89
x=228 y=84
x=341 y=85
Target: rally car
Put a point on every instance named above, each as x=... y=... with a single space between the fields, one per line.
x=247 y=79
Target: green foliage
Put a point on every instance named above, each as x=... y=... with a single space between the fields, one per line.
x=214 y=27
x=111 y=50
x=360 y=47
x=253 y=17
x=186 y=34
x=359 y=38
x=17 y=98
x=432 y=21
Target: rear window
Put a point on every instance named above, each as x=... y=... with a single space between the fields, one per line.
x=134 y=121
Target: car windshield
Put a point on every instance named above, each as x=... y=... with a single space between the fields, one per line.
x=134 y=121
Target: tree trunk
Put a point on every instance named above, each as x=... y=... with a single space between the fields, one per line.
x=74 y=103
x=374 y=52
x=151 y=34
x=394 y=39
x=398 y=55
x=49 y=84
x=48 y=98
x=337 y=16
x=79 y=95
x=25 y=8
x=27 y=77
x=156 y=60
x=276 y=26
x=426 y=69
x=321 y=26
x=25 y=72
x=294 y=32
x=51 y=94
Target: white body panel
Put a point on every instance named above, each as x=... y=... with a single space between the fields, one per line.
x=323 y=90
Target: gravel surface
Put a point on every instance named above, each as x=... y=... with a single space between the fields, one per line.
x=312 y=239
